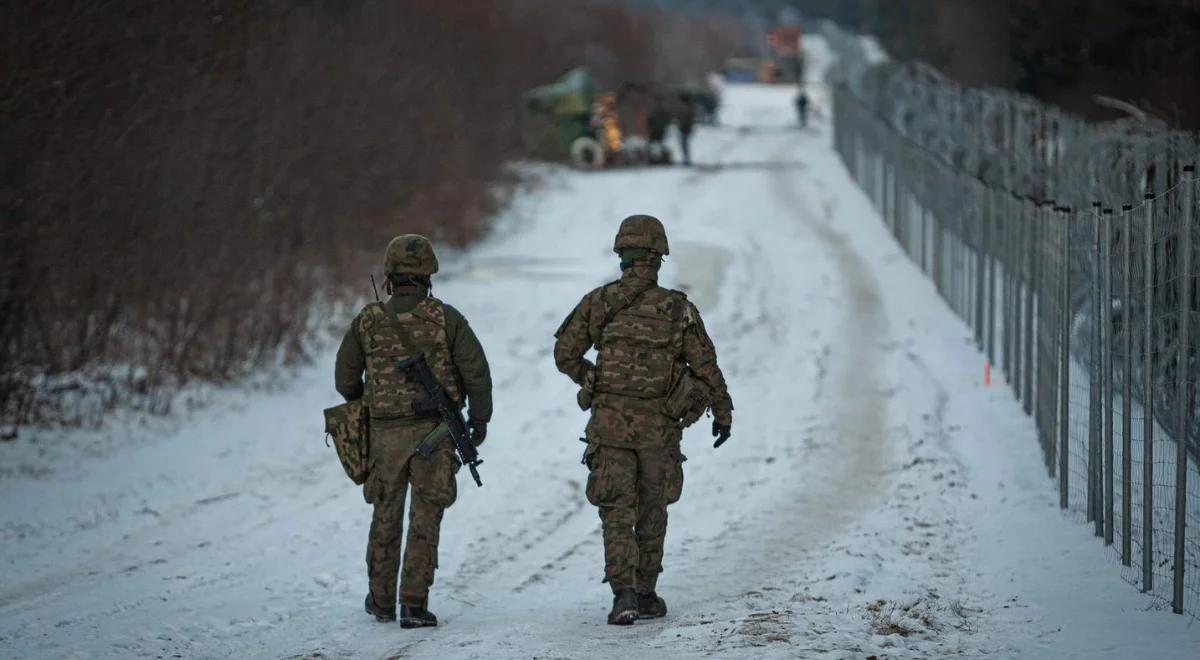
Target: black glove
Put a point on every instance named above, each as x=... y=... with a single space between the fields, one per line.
x=721 y=433
x=478 y=433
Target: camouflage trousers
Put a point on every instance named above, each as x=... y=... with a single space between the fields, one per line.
x=395 y=465
x=632 y=488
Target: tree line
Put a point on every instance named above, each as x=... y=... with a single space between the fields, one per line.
x=1144 y=53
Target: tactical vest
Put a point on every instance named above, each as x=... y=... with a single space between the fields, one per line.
x=640 y=346
x=387 y=340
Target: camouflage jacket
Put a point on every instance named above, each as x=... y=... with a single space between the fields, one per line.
x=466 y=353
x=617 y=417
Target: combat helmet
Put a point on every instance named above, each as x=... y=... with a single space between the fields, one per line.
x=410 y=254
x=641 y=231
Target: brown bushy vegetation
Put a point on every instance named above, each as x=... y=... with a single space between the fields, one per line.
x=182 y=179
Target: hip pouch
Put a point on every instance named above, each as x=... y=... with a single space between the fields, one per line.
x=349 y=427
x=688 y=399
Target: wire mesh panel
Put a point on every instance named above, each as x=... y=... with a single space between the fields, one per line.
x=1088 y=305
x=1123 y=352
x=1104 y=353
x=1186 y=576
x=1077 y=292
x=1048 y=335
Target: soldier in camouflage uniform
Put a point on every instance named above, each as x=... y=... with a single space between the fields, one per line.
x=646 y=336
x=380 y=337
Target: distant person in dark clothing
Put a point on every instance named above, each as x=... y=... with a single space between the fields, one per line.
x=685 y=119
x=802 y=107
x=658 y=121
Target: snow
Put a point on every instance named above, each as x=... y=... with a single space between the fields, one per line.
x=875 y=499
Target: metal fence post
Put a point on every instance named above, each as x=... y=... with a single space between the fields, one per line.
x=1018 y=287
x=953 y=243
x=1148 y=404
x=936 y=248
x=949 y=246
x=966 y=231
x=1043 y=252
x=868 y=164
x=885 y=197
x=964 y=253
x=899 y=198
x=981 y=247
x=1010 y=202
x=1034 y=235
x=1126 y=386
x=875 y=171
x=1043 y=407
x=990 y=252
x=1064 y=402
x=1182 y=398
x=885 y=184
x=1095 y=456
x=1106 y=370
x=924 y=243
x=1019 y=252
x=897 y=173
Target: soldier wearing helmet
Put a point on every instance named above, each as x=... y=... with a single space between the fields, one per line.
x=656 y=373
x=382 y=335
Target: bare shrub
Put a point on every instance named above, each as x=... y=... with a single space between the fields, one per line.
x=182 y=180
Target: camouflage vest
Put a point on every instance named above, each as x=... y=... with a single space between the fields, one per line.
x=640 y=346
x=387 y=340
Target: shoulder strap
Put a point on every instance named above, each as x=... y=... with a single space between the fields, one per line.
x=390 y=318
x=617 y=309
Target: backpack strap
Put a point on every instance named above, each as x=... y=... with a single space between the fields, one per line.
x=390 y=318
x=612 y=311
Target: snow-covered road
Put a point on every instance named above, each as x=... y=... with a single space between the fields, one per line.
x=876 y=498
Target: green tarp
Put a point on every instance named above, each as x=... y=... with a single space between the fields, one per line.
x=570 y=95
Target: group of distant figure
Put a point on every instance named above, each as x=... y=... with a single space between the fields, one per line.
x=681 y=110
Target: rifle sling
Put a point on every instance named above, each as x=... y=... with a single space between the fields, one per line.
x=617 y=309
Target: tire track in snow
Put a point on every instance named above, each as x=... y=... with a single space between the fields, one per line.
x=856 y=400
x=846 y=436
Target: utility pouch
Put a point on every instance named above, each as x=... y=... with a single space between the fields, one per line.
x=349 y=427
x=688 y=400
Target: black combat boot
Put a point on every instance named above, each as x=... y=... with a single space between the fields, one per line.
x=625 y=608
x=416 y=616
x=381 y=614
x=650 y=606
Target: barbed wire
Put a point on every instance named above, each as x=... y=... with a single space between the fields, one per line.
x=942 y=161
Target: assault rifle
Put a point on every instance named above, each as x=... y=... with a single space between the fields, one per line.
x=439 y=404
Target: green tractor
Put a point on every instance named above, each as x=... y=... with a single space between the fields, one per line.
x=570 y=104
x=597 y=129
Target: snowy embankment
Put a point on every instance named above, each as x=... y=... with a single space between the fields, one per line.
x=876 y=498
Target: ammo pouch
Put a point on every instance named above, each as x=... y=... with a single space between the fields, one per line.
x=349 y=427
x=688 y=400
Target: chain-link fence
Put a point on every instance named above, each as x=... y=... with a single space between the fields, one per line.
x=1071 y=250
